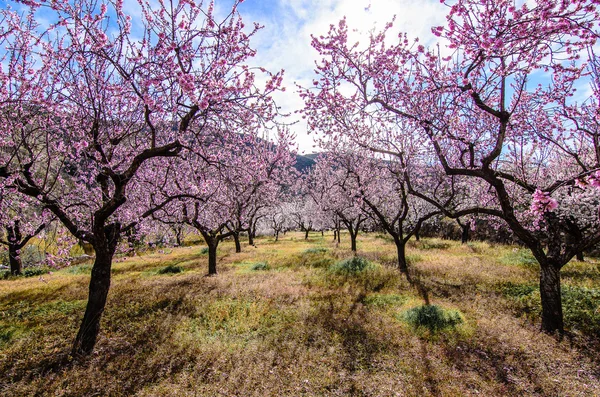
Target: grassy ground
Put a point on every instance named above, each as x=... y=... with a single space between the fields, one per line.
x=282 y=320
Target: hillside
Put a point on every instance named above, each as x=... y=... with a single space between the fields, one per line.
x=305 y=162
x=285 y=319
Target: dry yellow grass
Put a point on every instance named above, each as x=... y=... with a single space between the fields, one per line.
x=295 y=328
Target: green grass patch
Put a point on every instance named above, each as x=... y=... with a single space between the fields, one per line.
x=315 y=250
x=430 y=244
x=513 y=290
x=260 y=266
x=385 y=300
x=79 y=269
x=581 y=305
x=520 y=257
x=8 y=333
x=350 y=266
x=411 y=259
x=170 y=269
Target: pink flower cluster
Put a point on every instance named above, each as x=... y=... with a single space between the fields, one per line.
x=542 y=202
x=592 y=180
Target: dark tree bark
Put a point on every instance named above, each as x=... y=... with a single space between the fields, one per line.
x=401 y=250
x=579 y=256
x=353 y=241
x=212 y=257
x=105 y=245
x=236 y=238
x=306 y=234
x=552 y=314
x=14 y=260
x=465 y=234
x=212 y=240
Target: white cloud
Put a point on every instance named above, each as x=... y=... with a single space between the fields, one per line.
x=284 y=43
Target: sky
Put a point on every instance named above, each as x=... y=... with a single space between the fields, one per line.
x=284 y=42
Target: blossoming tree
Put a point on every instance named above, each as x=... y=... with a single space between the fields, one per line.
x=86 y=103
x=499 y=105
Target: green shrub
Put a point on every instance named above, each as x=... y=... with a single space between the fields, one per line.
x=35 y=271
x=204 y=251
x=350 y=266
x=432 y=318
x=171 y=269
x=260 y=266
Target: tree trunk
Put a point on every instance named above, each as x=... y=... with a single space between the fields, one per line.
x=14 y=260
x=353 y=239
x=212 y=256
x=417 y=236
x=338 y=235
x=306 y=234
x=236 y=238
x=580 y=256
x=276 y=235
x=401 y=249
x=465 y=235
x=334 y=234
x=322 y=233
x=178 y=238
x=250 y=237
x=105 y=247
x=552 y=315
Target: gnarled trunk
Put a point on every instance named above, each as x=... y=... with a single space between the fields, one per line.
x=465 y=235
x=14 y=260
x=106 y=240
x=238 y=245
x=353 y=234
x=552 y=315
x=401 y=250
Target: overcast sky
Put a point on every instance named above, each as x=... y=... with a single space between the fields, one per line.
x=284 y=42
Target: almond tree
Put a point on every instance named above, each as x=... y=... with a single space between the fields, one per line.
x=86 y=104
x=498 y=105
x=332 y=187
x=20 y=222
x=217 y=188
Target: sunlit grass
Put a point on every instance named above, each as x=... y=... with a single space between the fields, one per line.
x=277 y=321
